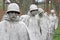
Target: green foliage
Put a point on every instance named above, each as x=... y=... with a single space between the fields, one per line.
x=57 y=34
x=1 y=5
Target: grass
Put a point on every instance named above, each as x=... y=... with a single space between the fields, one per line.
x=57 y=34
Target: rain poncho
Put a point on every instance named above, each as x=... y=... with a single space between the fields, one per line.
x=13 y=31
x=24 y=18
x=11 y=28
x=44 y=27
x=53 y=25
x=43 y=23
x=34 y=29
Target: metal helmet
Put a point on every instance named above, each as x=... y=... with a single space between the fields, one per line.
x=40 y=10
x=33 y=7
x=13 y=7
x=52 y=11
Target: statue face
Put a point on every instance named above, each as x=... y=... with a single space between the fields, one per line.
x=41 y=14
x=34 y=12
x=12 y=15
